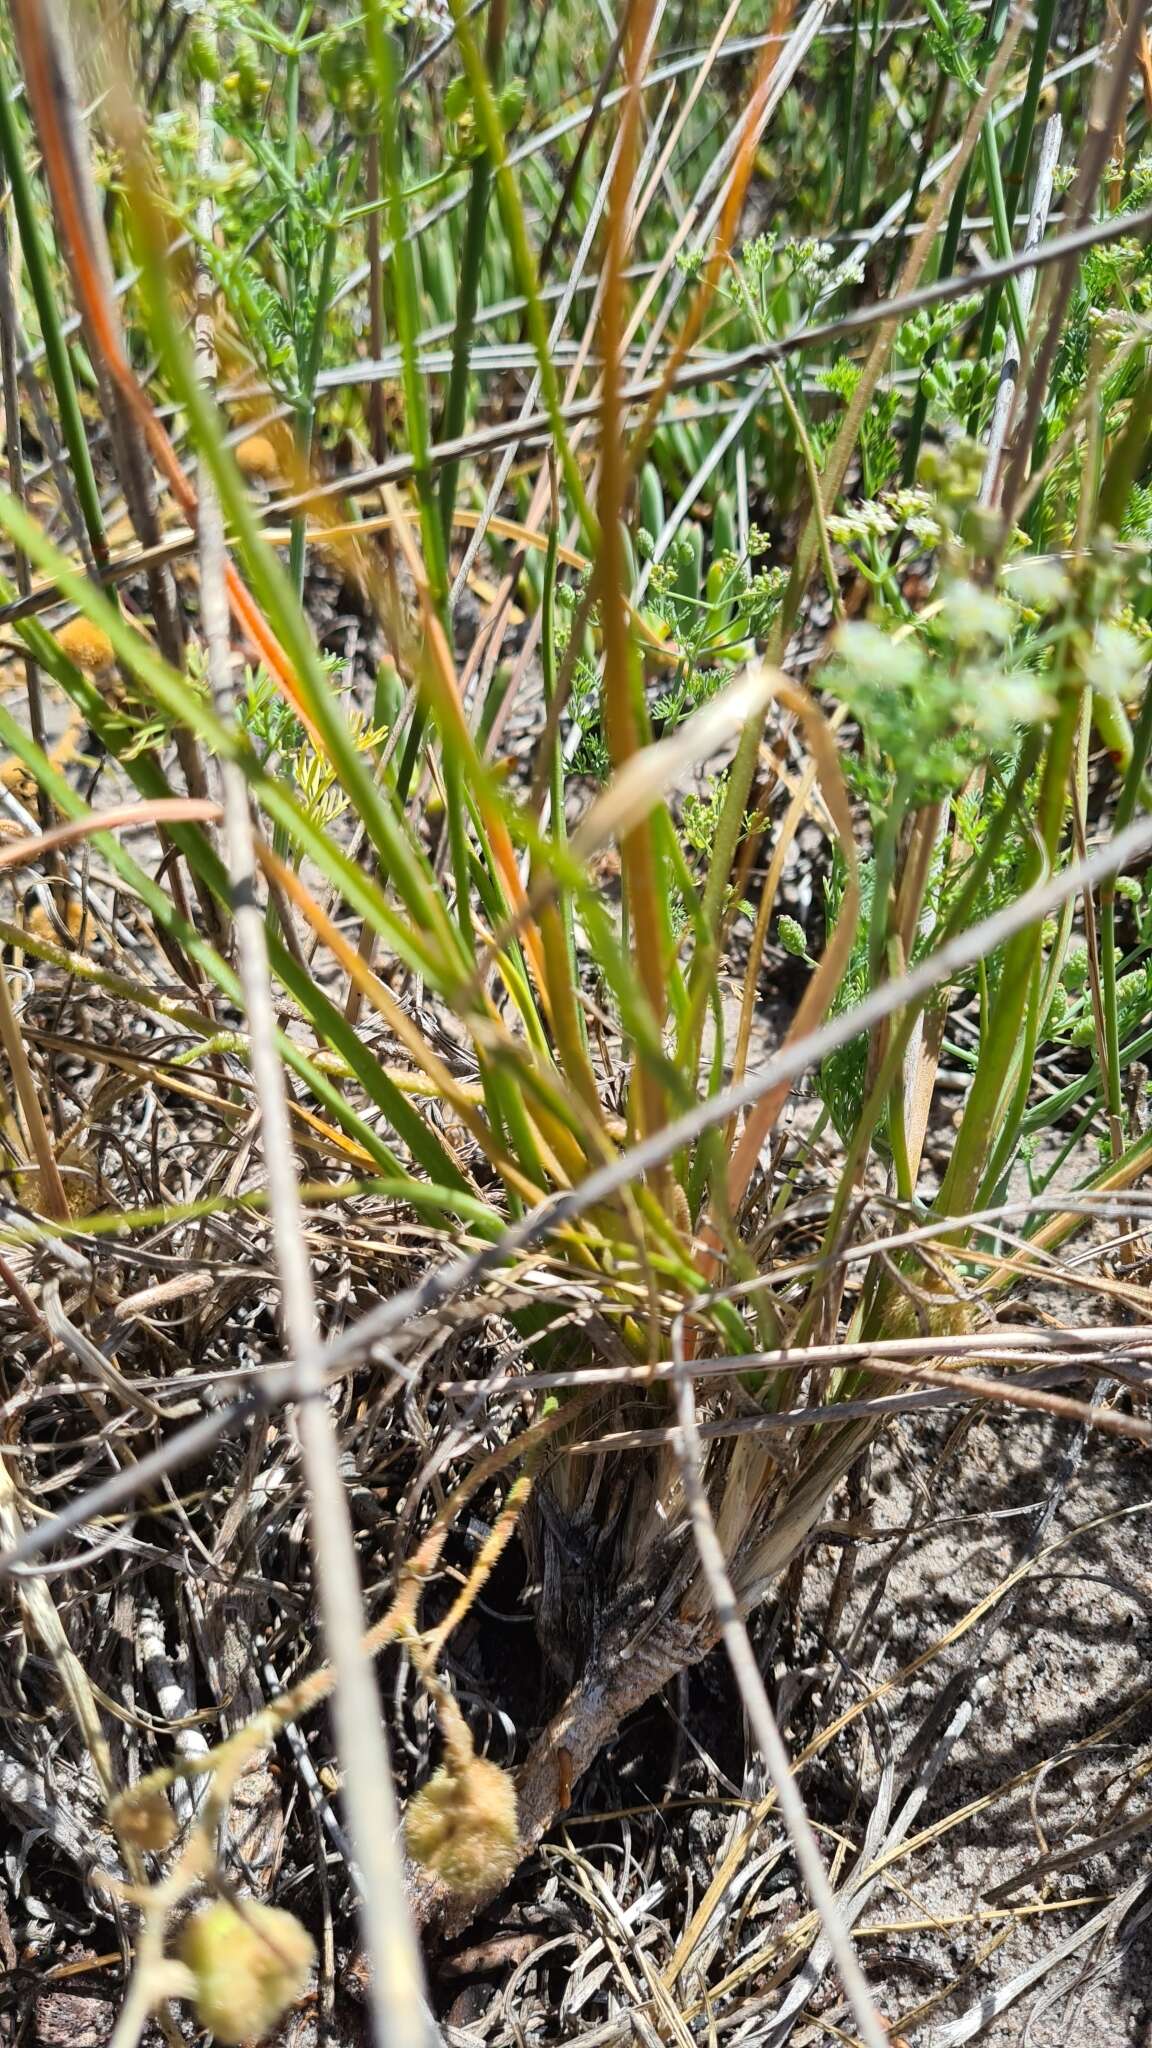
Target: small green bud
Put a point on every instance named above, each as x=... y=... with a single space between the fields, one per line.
x=1075 y=972
x=1058 y=1008
x=932 y=1308
x=344 y=68
x=511 y=105
x=389 y=702
x=458 y=99
x=202 y=56
x=791 y=937
x=246 y=82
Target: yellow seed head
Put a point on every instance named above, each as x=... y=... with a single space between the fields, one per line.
x=248 y=1967
x=933 y=1309
x=86 y=646
x=81 y=1191
x=73 y=915
x=257 y=458
x=679 y=1212
x=463 y=1826
x=17 y=780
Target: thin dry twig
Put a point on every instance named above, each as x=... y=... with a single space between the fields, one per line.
x=395 y=1985
x=763 y=1720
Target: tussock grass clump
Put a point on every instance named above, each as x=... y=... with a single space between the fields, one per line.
x=613 y=894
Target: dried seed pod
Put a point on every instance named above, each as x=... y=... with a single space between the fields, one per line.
x=463 y=1826
x=248 y=1967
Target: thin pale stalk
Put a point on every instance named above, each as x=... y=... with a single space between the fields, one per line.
x=394 y=1988
x=746 y=1671
x=52 y=1197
